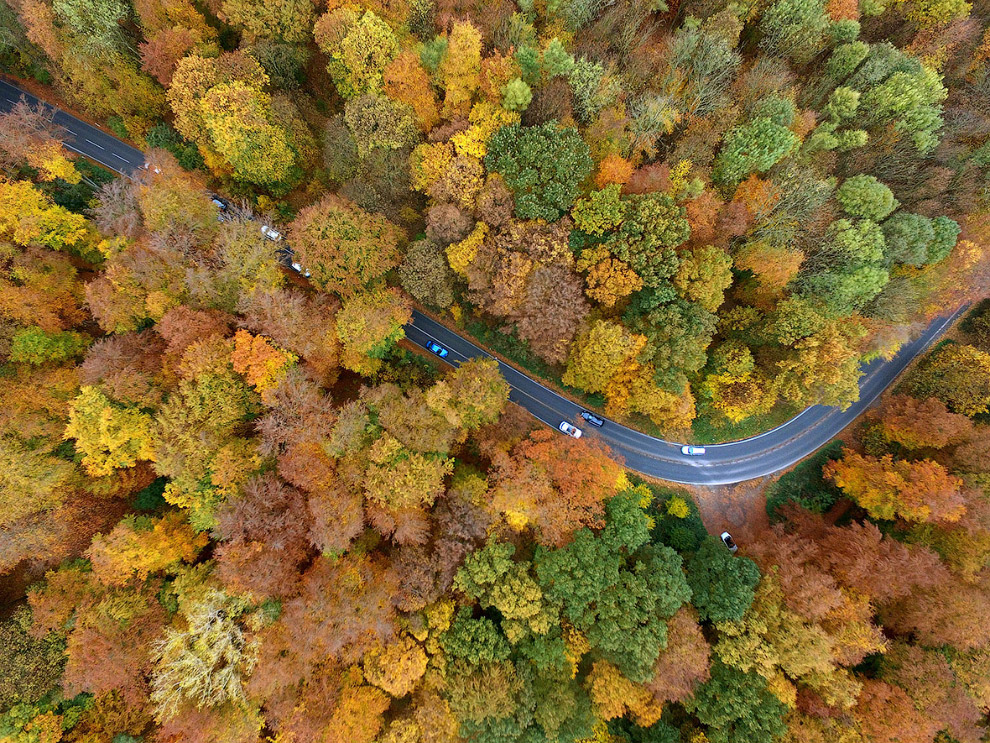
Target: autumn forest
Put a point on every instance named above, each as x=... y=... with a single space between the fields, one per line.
x=237 y=505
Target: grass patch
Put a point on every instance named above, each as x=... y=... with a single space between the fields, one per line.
x=510 y=346
x=641 y=423
x=805 y=486
x=710 y=427
x=118 y=127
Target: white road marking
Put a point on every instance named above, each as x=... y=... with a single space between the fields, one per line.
x=703 y=467
x=620 y=443
x=765 y=433
x=454 y=353
x=80 y=152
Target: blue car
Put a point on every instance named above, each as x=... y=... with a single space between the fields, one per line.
x=437 y=349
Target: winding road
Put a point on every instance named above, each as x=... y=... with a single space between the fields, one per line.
x=722 y=464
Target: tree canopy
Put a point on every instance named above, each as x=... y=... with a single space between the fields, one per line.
x=238 y=504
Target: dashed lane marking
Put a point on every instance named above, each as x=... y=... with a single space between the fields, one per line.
x=454 y=354
x=108 y=165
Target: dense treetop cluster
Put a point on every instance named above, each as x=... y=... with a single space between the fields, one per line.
x=241 y=511
x=705 y=212
x=235 y=506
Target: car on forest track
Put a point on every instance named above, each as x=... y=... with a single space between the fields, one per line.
x=573 y=431
x=728 y=541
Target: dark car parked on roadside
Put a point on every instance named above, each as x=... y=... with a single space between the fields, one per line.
x=592 y=418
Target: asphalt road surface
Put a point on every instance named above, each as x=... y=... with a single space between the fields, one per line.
x=720 y=465
x=81 y=137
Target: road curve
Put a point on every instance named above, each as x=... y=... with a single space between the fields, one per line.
x=722 y=464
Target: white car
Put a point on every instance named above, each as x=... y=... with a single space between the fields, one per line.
x=693 y=451
x=271 y=233
x=572 y=431
x=728 y=542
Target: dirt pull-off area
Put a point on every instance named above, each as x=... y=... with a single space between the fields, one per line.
x=739 y=509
